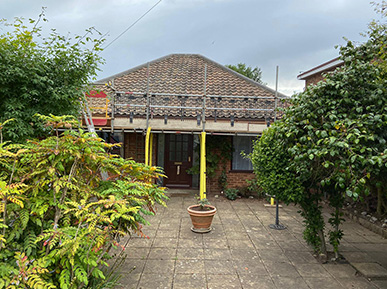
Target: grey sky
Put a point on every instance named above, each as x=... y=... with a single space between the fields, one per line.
x=296 y=35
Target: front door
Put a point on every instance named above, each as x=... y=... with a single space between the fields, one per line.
x=178 y=159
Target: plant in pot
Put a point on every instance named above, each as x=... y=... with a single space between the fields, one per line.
x=201 y=216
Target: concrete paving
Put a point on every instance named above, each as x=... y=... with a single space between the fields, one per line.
x=242 y=251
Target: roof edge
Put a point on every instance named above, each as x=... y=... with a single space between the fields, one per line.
x=320 y=68
x=281 y=95
x=104 y=80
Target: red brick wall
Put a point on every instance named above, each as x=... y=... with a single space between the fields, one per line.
x=134 y=147
x=234 y=178
x=313 y=79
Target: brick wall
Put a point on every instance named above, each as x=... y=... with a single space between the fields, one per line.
x=134 y=147
x=313 y=79
x=234 y=178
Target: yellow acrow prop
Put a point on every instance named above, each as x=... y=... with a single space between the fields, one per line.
x=151 y=149
x=203 y=165
x=148 y=132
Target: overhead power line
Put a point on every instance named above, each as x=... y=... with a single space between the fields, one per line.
x=134 y=23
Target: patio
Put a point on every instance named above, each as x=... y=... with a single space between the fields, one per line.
x=243 y=252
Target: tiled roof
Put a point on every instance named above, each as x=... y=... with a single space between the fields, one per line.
x=178 y=75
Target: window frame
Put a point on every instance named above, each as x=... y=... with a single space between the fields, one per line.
x=238 y=170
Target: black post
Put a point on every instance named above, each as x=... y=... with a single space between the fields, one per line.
x=277 y=225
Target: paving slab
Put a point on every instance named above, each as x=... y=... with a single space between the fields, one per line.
x=165 y=267
x=319 y=283
x=217 y=254
x=190 y=253
x=240 y=244
x=128 y=281
x=312 y=270
x=155 y=281
x=356 y=283
x=223 y=281
x=219 y=267
x=243 y=252
x=189 y=281
x=190 y=266
x=257 y=282
x=275 y=256
x=380 y=284
x=341 y=270
x=371 y=270
x=162 y=253
x=290 y=283
x=301 y=257
x=283 y=269
x=249 y=266
x=215 y=243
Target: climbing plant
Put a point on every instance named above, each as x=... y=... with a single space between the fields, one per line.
x=218 y=151
x=59 y=217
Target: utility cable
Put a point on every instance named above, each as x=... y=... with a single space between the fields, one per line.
x=131 y=25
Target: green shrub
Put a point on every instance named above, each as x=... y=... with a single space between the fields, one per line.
x=231 y=194
x=59 y=218
x=251 y=190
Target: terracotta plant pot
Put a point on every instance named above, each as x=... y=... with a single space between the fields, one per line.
x=201 y=218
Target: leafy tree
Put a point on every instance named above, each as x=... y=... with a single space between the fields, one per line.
x=252 y=73
x=332 y=140
x=58 y=219
x=42 y=74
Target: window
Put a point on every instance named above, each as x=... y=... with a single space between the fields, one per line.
x=242 y=144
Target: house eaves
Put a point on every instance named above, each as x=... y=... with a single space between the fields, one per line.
x=327 y=66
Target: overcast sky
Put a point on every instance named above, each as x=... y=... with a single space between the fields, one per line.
x=296 y=35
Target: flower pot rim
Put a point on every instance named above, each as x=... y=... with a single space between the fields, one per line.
x=212 y=210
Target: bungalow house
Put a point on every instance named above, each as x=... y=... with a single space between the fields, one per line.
x=316 y=74
x=164 y=110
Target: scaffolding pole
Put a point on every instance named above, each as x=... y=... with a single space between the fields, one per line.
x=198 y=95
x=196 y=107
x=147 y=96
x=203 y=178
x=276 y=94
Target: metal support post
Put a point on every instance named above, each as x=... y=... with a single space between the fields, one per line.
x=204 y=98
x=147 y=96
x=150 y=149
x=203 y=165
x=277 y=225
x=147 y=137
x=276 y=94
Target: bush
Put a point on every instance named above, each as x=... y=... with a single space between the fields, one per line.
x=251 y=190
x=59 y=218
x=231 y=194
